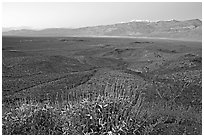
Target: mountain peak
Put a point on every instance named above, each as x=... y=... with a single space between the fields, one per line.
x=140 y=21
x=195 y=20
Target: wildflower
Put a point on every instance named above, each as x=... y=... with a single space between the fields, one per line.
x=110 y=133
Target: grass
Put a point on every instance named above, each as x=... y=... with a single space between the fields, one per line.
x=112 y=114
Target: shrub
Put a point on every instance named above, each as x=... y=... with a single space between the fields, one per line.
x=114 y=113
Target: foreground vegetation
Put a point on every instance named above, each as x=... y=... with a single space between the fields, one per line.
x=105 y=114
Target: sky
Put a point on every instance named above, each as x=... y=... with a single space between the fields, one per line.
x=73 y=15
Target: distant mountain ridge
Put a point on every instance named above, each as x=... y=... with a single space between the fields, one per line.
x=189 y=29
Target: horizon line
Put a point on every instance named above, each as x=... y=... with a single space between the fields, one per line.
x=134 y=20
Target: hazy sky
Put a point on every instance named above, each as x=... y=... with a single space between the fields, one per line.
x=47 y=15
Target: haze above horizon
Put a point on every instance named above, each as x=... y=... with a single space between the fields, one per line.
x=74 y=15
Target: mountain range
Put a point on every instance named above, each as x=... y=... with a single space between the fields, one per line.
x=173 y=29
